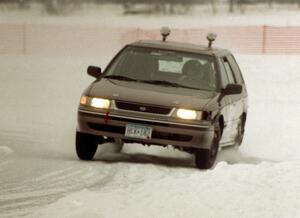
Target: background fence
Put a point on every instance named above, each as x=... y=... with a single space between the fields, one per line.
x=48 y=39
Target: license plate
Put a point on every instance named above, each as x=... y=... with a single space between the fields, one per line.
x=138 y=131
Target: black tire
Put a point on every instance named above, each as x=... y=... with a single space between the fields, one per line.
x=240 y=133
x=86 y=145
x=205 y=158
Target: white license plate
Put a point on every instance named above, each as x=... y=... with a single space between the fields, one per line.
x=138 y=131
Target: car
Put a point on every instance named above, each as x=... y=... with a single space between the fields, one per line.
x=159 y=92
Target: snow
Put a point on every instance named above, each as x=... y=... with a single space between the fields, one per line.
x=4 y=150
x=240 y=190
x=40 y=175
x=45 y=179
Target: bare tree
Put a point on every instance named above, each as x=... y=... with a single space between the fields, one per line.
x=270 y=3
x=231 y=6
x=213 y=6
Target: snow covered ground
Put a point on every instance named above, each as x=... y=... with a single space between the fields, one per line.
x=40 y=175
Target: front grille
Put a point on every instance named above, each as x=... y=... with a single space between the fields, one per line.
x=143 y=108
x=155 y=134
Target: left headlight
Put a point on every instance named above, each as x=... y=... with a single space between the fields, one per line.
x=95 y=102
x=189 y=114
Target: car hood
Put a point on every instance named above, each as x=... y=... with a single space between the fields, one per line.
x=151 y=94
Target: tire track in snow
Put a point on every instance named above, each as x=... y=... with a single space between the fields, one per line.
x=65 y=178
x=57 y=183
x=16 y=187
x=19 y=200
x=43 y=181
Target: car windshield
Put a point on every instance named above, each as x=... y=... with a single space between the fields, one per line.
x=164 y=68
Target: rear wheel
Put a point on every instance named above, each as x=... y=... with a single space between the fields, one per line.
x=205 y=158
x=86 y=145
x=240 y=132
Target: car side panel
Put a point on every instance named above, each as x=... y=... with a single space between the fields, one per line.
x=234 y=107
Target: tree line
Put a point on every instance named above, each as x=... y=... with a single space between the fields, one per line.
x=153 y=6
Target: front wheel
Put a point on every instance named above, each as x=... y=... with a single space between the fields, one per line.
x=205 y=158
x=86 y=145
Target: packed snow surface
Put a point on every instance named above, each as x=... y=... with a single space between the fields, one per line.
x=243 y=190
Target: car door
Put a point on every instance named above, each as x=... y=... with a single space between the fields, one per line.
x=233 y=105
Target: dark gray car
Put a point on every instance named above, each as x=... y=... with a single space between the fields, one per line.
x=165 y=93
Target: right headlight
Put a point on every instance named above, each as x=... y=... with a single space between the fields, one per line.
x=95 y=102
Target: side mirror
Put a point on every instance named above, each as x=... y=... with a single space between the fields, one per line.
x=232 y=89
x=94 y=71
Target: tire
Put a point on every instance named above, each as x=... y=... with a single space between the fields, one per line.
x=240 y=134
x=205 y=158
x=86 y=145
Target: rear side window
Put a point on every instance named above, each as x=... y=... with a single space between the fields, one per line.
x=229 y=70
x=236 y=69
x=223 y=74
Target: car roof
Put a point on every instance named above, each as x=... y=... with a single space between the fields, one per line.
x=179 y=46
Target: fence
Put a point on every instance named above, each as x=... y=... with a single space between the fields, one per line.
x=44 y=39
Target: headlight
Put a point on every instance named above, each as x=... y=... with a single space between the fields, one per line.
x=189 y=114
x=100 y=103
x=95 y=102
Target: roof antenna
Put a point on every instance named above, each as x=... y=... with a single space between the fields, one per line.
x=211 y=37
x=165 y=32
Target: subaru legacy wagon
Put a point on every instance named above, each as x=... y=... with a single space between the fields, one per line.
x=192 y=97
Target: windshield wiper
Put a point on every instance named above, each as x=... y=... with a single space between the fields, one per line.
x=155 y=82
x=119 y=77
x=161 y=82
x=166 y=83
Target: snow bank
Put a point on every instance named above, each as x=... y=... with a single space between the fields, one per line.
x=266 y=190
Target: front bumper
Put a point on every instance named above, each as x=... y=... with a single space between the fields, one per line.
x=164 y=132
